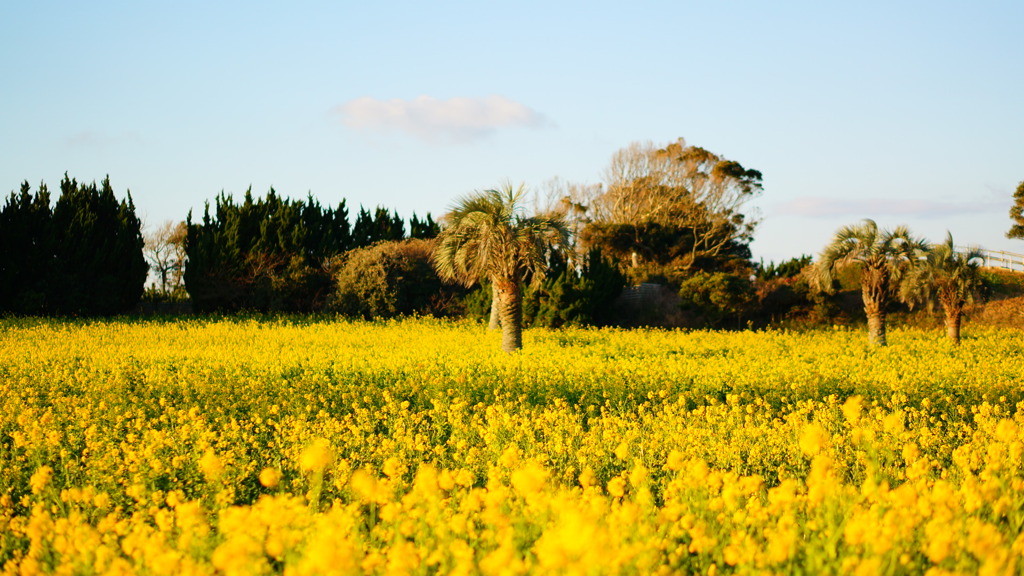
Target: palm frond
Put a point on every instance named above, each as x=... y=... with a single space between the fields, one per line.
x=487 y=236
x=946 y=276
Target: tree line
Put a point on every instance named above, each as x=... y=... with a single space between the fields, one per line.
x=276 y=254
x=663 y=239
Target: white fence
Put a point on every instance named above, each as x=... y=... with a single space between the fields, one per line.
x=1001 y=259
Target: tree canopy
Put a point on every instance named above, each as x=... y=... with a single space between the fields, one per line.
x=672 y=209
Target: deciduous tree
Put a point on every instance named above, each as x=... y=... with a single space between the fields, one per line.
x=165 y=252
x=672 y=205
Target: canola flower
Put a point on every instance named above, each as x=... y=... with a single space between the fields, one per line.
x=280 y=445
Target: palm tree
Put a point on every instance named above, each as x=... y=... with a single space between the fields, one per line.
x=951 y=277
x=489 y=237
x=883 y=257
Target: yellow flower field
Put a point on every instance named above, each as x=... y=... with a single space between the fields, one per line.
x=258 y=446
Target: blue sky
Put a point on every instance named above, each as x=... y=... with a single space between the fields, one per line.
x=905 y=112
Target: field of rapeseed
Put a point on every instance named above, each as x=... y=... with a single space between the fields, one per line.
x=415 y=447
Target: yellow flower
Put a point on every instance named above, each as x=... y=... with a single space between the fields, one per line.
x=622 y=451
x=211 y=465
x=510 y=457
x=852 y=409
x=587 y=477
x=101 y=500
x=813 y=439
x=893 y=423
x=446 y=480
x=1007 y=431
x=529 y=479
x=675 y=461
x=393 y=467
x=270 y=477
x=316 y=456
x=464 y=478
x=40 y=479
x=910 y=452
x=638 y=475
x=939 y=540
x=617 y=487
x=368 y=488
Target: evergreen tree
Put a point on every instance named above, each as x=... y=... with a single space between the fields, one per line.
x=82 y=257
x=26 y=251
x=424 y=229
x=363 y=230
x=264 y=254
x=387 y=226
x=575 y=296
x=100 y=267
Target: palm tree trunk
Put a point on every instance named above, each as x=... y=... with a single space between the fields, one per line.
x=873 y=290
x=495 y=321
x=953 y=318
x=511 y=306
x=876 y=322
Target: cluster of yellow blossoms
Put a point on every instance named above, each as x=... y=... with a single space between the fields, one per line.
x=296 y=446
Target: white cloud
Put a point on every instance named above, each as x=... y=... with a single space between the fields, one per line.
x=453 y=120
x=817 y=206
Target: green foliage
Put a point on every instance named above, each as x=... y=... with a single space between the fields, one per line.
x=265 y=255
x=381 y=226
x=571 y=297
x=785 y=269
x=424 y=229
x=275 y=254
x=477 y=302
x=716 y=299
x=792 y=302
x=654 y=252
x=998 y=283
x=83 y=257
x=392 y=278
x=1017 y=213
x=26 y=251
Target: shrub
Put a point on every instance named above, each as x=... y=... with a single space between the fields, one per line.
x=389 y=279
x=716 y=299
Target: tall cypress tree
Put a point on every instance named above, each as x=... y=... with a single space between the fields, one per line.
x=26 y=251
x=265 y=254
x=364 y=230
x=82 y=257
x=425 y=228
x=100 y=267
x=387 y=226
